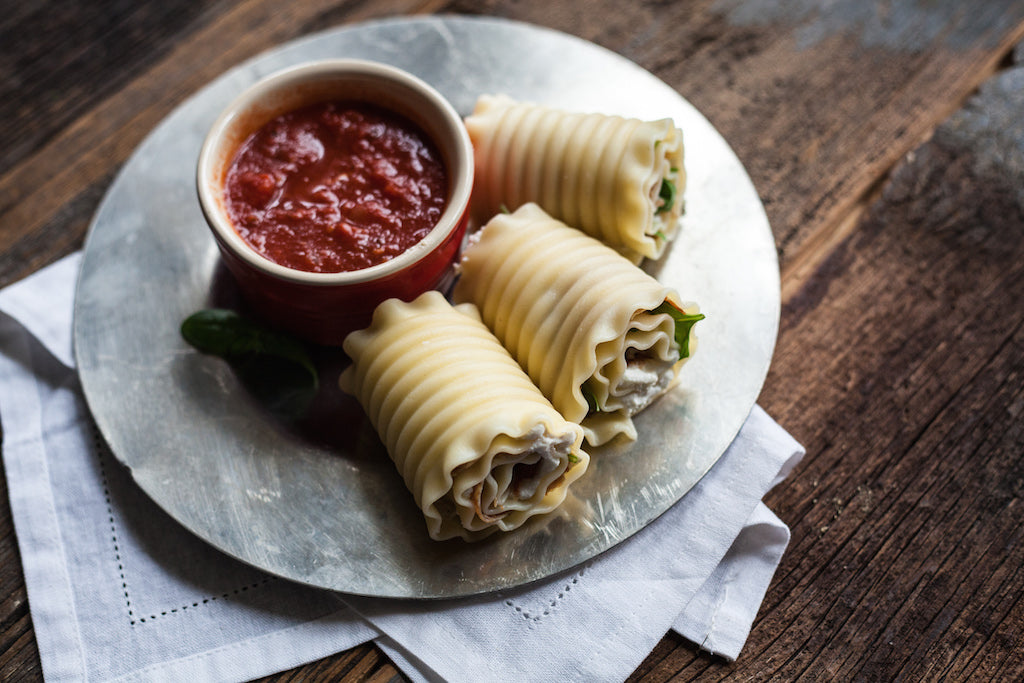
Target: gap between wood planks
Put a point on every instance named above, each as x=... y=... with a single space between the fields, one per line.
x=846 y=218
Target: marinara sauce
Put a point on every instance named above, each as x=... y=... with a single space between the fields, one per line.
x=335 y=186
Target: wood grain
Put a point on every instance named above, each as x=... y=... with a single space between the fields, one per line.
x=898 y=214
x=912 y=516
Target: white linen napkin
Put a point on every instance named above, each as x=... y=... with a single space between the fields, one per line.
x=119 y=591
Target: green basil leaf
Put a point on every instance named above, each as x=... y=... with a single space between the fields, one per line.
x=667 y=193
x=684 y=323
x=274 y=367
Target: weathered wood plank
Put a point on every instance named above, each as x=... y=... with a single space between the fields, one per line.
x=365 y=663
x=59 y=60
x=19 y=658
x=899 y=367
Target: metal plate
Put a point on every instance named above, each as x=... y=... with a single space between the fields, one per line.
x=319 y=502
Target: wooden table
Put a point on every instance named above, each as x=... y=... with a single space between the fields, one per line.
x=895 y=189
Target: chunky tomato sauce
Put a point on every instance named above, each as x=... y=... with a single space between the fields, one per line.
x=336 y=186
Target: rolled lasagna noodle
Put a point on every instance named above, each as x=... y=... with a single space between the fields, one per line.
x=478 y=445
x=617 y=179
x=599 y=336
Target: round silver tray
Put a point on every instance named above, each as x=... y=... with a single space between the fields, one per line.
x=318 y=501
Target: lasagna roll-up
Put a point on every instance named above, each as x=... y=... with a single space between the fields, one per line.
x=599 y=336
x=617 y=179
x=478 y=445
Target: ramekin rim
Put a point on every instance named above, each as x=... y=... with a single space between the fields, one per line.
x=449 y=221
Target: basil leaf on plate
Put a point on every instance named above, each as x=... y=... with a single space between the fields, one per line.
x=274 y=367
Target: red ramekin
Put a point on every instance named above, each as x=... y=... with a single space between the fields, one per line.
x=325 y=307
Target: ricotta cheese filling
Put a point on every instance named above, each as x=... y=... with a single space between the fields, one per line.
x=644 y=379
x=516 y=480
x=636 y=369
